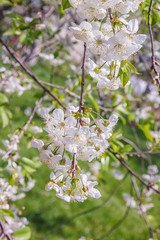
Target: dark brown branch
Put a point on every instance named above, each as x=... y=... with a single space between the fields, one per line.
x=89 y=210
x=156 y=78
x=30 y=73
x=26 y=124
x=147 y=185
x=4 y=234
x=83 y=79
x=81 y=101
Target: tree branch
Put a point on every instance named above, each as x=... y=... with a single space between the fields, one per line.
x=138 y=154
x=147 y=185
x=26 y=124
x=66 y=90
x=30 y=73
x=154 y=62
x=81 y=102
x=83 y=79
x=4 y=234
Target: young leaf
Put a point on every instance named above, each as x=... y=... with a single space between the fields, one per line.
x=133 y=68
x=66 y=4
x=3 y=99
x=4 y=117
x=22 y=233
x=146 y=130
x=95 y=104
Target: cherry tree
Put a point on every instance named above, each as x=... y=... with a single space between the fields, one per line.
x=107 y=54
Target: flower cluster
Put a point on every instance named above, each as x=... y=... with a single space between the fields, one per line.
x=108 y=35
x=12 y=81
x=72 y=137
x=12 y=222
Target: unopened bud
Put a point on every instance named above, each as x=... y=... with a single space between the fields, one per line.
x=70 y=170
x=74 y=174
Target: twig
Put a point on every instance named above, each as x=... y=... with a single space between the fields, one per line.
x=81 y=102
x=138 y=150
x=148 y=185
x=4 y=234
x=111 y=19
x=30 y=73
x=154 y=62
x=138 y=154
x=131 y=143
x=83 y=79
x=26 y=124
x=89 y=210
x=106 y=109
x=66 y=90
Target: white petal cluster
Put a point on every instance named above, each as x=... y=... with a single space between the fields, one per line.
x=111 y=39
x=12 y=167
x=7 y=192
x=11 y=82
x=67 y=139
x=11 y=225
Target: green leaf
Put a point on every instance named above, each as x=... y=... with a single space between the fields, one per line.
x=22 y=38
x=10 y=32
x=112 y=157
x=155 y=17
x=146 y=130
x=66 y=4
x=3 y=99
x=95 y=104
x=124 y=73
x=133 y=68
x=33 y=22
x=4 y=117
x=127 y=148
x=125 y=76
x=61 y=11
x=5 y=2
x=6 y=213
x=22 y=234
x=30 y=163
x=16 y=16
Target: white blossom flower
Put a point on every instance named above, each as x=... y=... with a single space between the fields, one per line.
x=36 y=129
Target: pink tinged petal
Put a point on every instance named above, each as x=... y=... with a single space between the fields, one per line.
x=49 y=186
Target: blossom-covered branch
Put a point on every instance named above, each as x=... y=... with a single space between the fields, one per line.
x=25 y=126
x=30 y=73
x=3 y=233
